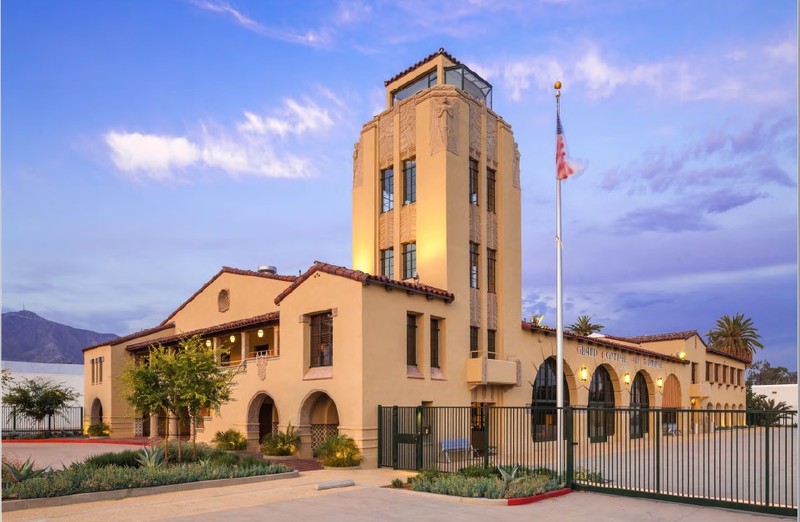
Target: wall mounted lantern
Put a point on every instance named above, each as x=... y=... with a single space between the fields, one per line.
x=261 y=333
x=627 y=378
x=660 y=382
x=584 y=373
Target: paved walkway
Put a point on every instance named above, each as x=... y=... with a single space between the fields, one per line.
x=297 y=499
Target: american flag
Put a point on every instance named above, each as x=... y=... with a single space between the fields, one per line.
x=564 y=167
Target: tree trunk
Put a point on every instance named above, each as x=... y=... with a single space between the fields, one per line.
x=194 y=438
x=166 y=439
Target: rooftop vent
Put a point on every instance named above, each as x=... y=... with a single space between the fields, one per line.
x=264 y=269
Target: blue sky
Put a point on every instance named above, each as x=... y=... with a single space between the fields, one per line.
x=147 y=144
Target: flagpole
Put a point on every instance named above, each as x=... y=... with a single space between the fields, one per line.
x=559 y=314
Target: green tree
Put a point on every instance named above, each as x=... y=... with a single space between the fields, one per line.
x=204 y=384
x=39 y=398
x=762 y=372
x=7 y=378
x=585 y=326
x=736 y=336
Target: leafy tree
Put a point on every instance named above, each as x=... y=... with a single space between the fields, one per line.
x=7 y=378
x=762 y=372
x=736 y=336
x=39 y=398
x=584 y=326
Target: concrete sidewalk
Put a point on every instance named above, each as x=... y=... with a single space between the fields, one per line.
x=298 y=499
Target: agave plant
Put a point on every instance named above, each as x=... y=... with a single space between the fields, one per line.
x=508 y=473
x=151 y=457
x=23 y=472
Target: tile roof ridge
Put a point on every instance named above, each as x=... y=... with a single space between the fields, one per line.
x=134 y=335
x=423 y=61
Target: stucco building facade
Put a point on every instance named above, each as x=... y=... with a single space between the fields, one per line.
x=430 y=312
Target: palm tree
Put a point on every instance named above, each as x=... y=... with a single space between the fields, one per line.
x=736 y=336
x=584 y=326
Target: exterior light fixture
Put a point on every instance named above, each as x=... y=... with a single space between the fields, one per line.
x=584 y=373
x=681 y=355
x=233 y=338
x=660 y=382
x=694 y=401
x=261 y=333
x=208 y=343
x=627 y=378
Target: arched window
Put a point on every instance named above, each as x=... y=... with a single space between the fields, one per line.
x=640 y=402
x=601 y=406
x=543 y=401
x=224 y=300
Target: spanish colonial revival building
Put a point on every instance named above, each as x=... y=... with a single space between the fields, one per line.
x=429 y=313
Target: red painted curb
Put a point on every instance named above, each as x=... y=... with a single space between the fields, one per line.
x=77 y=441
x=536 y=498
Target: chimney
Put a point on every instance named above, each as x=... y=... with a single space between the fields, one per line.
x=264 y=269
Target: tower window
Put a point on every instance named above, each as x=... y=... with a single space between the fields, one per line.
x=387 y=189
x=491 y=351
x=473 y=181
x=473 y=264
x=434 y=343
x=410 y=181
x=491 y=265
x=490 y=182
x=411 y=340
x=409 y=260
x=473 y=342
x=387 y=262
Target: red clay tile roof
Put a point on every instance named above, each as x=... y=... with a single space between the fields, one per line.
x=140 y=333
x=229 y=270
x=271 y=317
x=365 y=279
x=428 y=58
x=604 y=342
x=672 y=336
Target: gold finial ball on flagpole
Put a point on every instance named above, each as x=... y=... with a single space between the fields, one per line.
x=557 y=85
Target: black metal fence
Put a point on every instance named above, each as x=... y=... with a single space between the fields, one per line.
x=731 y=458
x=71 y=420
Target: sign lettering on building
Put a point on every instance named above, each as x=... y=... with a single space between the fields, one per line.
x=588 y=351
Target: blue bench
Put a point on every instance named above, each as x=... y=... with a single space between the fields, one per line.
x=449 y=445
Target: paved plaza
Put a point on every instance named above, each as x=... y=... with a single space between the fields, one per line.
x=298 y=499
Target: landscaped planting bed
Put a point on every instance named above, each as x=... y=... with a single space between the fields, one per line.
x=480 y=482
x=131 y=469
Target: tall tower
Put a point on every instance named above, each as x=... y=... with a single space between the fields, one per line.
x=436 y=195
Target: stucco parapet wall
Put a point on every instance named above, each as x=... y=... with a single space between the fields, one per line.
x=272 y=317
x=599 y=341
x=729 y=356
x=366 y=279
x=229 y=270
x=34 y=503
x=130 y=337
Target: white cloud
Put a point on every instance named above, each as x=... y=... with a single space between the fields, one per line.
x=249 y=150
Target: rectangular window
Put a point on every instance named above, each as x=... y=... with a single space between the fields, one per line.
x=739 y=374
x=473 y=264
x=409 y=260
x=490 y=183
x=716 y=373
x=410 y=181
x=387 y=189
x=411 y=339
x=473 y=181
x=387 y=262
x=434 y=343
x=473 y=341
x=321 y=340
x=694 y=373
x=491 y=352
x=491 y=265
x=708 y=372
x=97 y=370
x=724 y=374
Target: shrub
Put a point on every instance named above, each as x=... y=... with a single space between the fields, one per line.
x=339 y=451
x=98 y=429
x=586 y=475
x=397 y=483
x=529 y=486
x=123 y=459
x=230 y=440
x=281 y=443
x=22 y=472
x=478 y=471
x=224 y=459
x=150 y=457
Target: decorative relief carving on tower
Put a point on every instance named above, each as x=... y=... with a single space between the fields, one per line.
x=385 y=230
x=474 y=224
x=474 y=307
x=408 y=127
x=515 y=179
x=491 y=140
x=408 y=223
x=491 y=311
x=475 y=130
x=444 y=124
x=386 y=139
x=491 y=230
x=358 y=177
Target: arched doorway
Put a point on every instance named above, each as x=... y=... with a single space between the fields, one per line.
x=262 y=415
x=671 y=402
x=601 y=406
x=640 y=403
x=543 y=401
x=96 y=412
x=320 y=414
